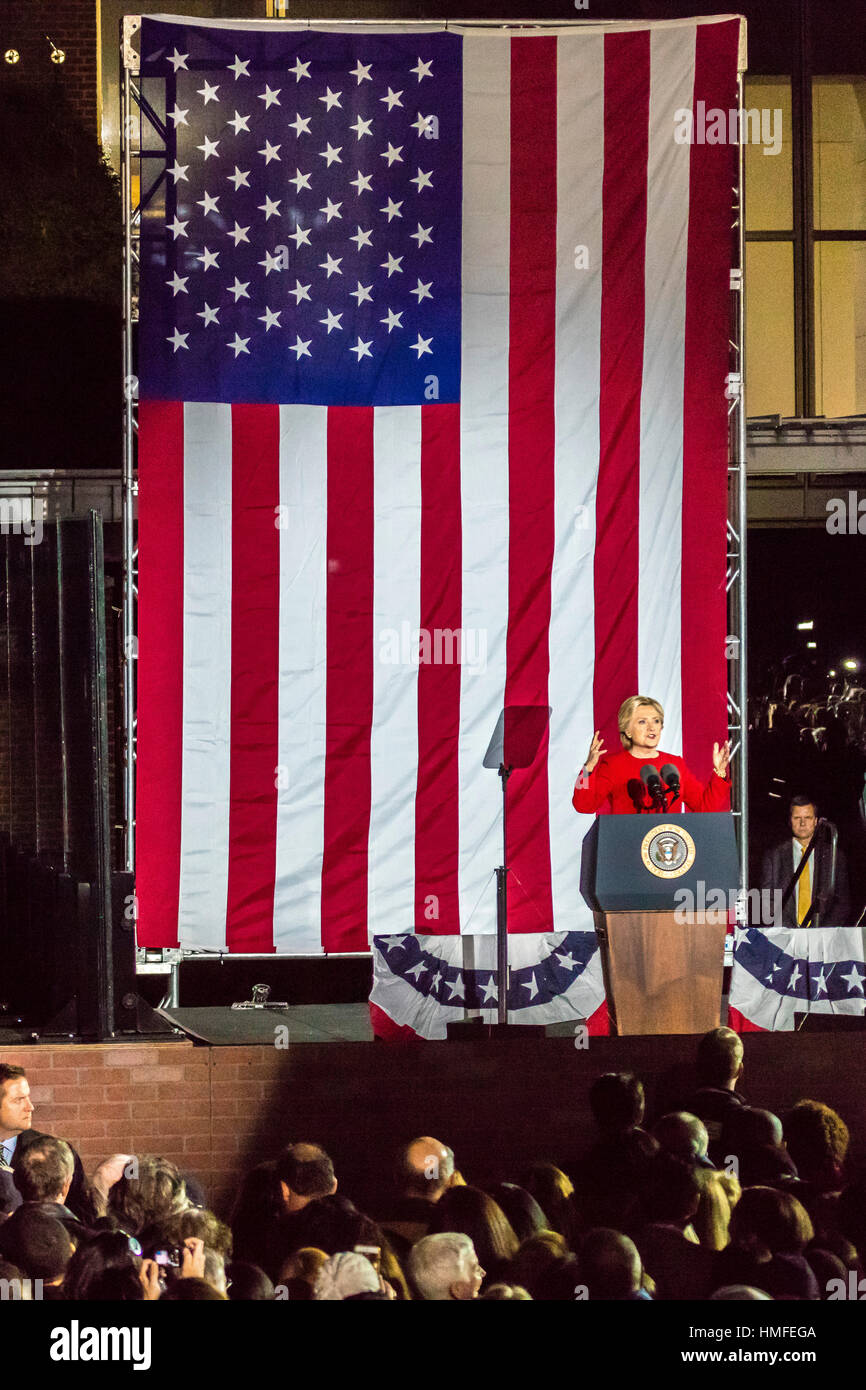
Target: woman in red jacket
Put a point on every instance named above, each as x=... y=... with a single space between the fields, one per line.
x=616 y=777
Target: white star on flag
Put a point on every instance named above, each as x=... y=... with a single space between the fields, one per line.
x=392 y=154
x=179 y=117
x=795 y=975
x=209 y=259
x=331 y=155
x=422 y=70
x=177 y=284
x=361 y=293
x=454 y=991
x=422 y=235
x=240 y=69
x=239 y=345
x=178 y=340
x=208 y=92
x=269 y=97
x=417 y=969
x=301 y=181
x=331 y=265
x=300 y=70
x=392 y=209
x=271 y=262
x=423 y=124
x=239 y=234
x=270 y=152
x=177 y=228
x=362 y=127
x=819 y=982
x=301 y=237
x=362 y=348
x=331 y=99
x=208 y=203
x=424 y=179
x=489 y=990
x=361 y=73
x=209 y=315
x=300 y=348
x=270 y=319
x=362 y=238
x=392 y=320
x=363 y=183
x=392 y=99
x=301 y=124
x=332 y=320
x=331 y=210
x=178 y=171
x=531 y=985
x=854 y=980
x=178 y=60
x=422 y=346
x=567 y=961
x=240 y=178
x=210 y=148
x=239 y=123
x=300 y=292
x=422 y=290
x=392 y=265
x=270 y=207
x=239 y=290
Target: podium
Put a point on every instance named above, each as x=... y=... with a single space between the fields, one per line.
x=659 y=887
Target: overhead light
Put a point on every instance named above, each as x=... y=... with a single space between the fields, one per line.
x=57 y=54
x=851 y=665
x=805 y=627
x=811 y=644
x=11 y=55
x=831 y=673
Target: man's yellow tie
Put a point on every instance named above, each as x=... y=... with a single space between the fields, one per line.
x=804 y=892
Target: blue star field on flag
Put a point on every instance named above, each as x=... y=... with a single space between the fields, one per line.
x=304 y=243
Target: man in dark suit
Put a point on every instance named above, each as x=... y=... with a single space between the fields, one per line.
x=16 y=1136
x=781 y=863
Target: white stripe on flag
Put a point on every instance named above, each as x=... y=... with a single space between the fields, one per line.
x=672 y=75
x=303 y=672
x=396 y=615
x=580 y=146
x=207 y=666
x=484 y=456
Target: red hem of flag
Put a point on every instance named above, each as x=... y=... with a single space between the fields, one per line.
x=386 y=1030
x=741 y=1024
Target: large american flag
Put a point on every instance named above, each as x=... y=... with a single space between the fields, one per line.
x=432 y=352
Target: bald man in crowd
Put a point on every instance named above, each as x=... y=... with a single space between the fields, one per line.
x=425 y=1169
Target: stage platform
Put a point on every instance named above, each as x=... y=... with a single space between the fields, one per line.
x=217 y=1110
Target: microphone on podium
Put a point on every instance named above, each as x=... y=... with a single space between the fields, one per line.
x=653 y=783
x=671 y=778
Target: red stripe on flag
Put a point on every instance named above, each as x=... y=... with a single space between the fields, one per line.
x=255 y=677
x=349 y=697
x=437 y=794
x=531 y=443
x=705 y=460
x=160 y=671
x=624 y=221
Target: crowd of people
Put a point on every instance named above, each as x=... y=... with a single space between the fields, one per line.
x=715 y=1200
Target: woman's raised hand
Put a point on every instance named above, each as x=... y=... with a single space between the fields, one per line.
x=721 y=758
x=596 y=748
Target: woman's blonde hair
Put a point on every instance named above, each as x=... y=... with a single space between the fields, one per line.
x=626 y=711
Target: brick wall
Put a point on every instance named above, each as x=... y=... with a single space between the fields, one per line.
x=72 y=26
x=216 y=1111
